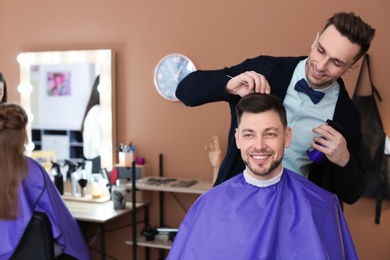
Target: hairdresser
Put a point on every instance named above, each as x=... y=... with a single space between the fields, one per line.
x=335 y=51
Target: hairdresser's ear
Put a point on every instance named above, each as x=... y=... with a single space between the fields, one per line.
x=352 y=68
x=315 y=41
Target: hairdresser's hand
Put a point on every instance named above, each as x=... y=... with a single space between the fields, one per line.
x=334 y=145
x=248 y=82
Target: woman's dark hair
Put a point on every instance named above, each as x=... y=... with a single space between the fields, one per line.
x=94 y=99
x=2 y=79
x=13 y=165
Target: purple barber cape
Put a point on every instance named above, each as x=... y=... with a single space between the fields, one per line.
x=292 y=219
x=38 y=193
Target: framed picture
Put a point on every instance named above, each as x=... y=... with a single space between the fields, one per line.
x=59 y=83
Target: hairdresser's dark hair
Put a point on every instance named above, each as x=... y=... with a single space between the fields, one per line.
x=354 y=28
x=260 y=103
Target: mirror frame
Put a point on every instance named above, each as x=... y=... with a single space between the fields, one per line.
x=105 y=60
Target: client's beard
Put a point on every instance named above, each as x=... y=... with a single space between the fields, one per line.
x=263 y=172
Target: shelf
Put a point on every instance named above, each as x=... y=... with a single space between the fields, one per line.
x=168 y=185
x=161 y=184
x=160 y=242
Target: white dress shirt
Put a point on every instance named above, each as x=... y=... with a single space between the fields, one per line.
x=302 y=116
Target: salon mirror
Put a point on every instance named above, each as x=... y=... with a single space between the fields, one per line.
x=57 y=115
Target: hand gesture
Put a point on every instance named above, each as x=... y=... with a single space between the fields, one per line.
x=215 y=155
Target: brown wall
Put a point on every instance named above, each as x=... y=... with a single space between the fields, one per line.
x=213 y=34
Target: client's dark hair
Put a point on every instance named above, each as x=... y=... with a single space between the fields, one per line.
x=259 y=103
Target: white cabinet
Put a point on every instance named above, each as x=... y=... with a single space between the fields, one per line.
x=68 y=144
x=57 y=143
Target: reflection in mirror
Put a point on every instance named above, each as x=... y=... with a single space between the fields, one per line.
x=55 y=88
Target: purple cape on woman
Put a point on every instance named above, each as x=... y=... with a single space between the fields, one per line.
x=38 y=193
x=292 y=219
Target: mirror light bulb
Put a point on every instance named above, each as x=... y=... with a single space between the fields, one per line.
x=21 y=58
x=30 y=146
x=25 y=88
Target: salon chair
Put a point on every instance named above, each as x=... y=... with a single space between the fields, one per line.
x=37 y=241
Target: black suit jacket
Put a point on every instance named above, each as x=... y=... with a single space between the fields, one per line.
x=201 y=87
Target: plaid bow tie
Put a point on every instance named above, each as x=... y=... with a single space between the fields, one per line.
x=315 y=96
